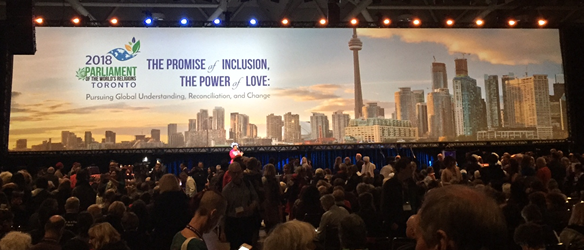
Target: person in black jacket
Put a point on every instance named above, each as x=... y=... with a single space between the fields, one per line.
x=83 y=190
x=170 y=212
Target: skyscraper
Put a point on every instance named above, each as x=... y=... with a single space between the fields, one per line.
x=239 y=126
x=155 y=134
x=461 y=67
x=319 y=124
x=110 y=136
x=218 y=118
x=405 y=105
x=340 y=121
x=467 y=105
x=172 y=129
x=88 y=138
x=373 y=111
x=439 y=78
x=509 y=95
x=418 y=96
x=192 y=125
x=440 y=115
x=492 y=101
x=355 y=45
x=203 y=120
x=292 y=127
x=422 y=117
x=252 y=131
x=64 y=138
x=274 y=127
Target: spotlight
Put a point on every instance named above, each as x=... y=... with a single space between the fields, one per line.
x=417 y=22
x=285 y=21
x=541 y=22
x=217 y=21
x=354 y=21
x=512 y=22
x=322 y=21
x=253 y=21
x=480 y=22
x=449 y=22
x=114 y=21
x=148 y=21
x=76 y=20
x=38 y=20
x=386 y=21
x=184 y=21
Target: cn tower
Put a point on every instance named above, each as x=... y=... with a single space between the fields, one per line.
x=355 y=45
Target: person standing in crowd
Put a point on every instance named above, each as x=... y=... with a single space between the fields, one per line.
x=200 y=176
x=53 y=232
x=210 y=209
x=169 y=213
x=83 y=190
x=156 y=173
x=103 y=236
x=273 y=197
x=368 y=168
x=399 y=198
x=292 y=235
x=234 y=151
x=451 y=174
x=359 y=162
x=331 y=218
x=242 y=202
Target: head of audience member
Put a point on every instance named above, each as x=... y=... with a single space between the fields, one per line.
x=319 y=172
x=168 y=183
x=532 y=213
x=270 y=171
x=555 y=201
x=366 y=159
x=363 y=188
x=366 y=202
x=353 y=232
x=236 y=173
x=82 y=176
x=403 y=169
x=130 y=221
x=529 y=236
x=411 y=226
x=347 y=161
x=102 y=234
x=450 y=162
x=183 y=176
x=252 y=164
x=440 y=157
x=210 y=209
x=322 y=190
x=117 y=209
x=339 y=195
x=95 y=211
x=292 y=235
x=440 y=227
x=16 y=241
x=358 y=157
x=72 y=205
x=310 y=195
x=5 y=177
x=54 y=227
x=327 y=201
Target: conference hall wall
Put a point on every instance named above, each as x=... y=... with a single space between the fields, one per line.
x=123 y=88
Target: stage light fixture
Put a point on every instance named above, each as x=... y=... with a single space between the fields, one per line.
x=512 y=22
x=217 y=21
x=76 y=20
x=184 y=21
x=354 y=21
x=253 y=21
x=449 y=22
x=417 y=22
x=322 y=21
x=114 y=21
x=39 y=20
x=480 y=22
x=386 y=21
x=148 y=21
x=285 y=21
x=541 y=22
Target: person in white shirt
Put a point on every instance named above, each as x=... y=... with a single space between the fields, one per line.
x=368 y=168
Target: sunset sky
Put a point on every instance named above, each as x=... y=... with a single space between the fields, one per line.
x=311 y=70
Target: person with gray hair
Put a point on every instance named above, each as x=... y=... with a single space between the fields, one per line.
x=16 y=241
x=439 y=224
x=292 y=235
x=368 y=169
x=331 y=218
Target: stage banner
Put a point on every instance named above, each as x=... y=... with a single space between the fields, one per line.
x=118 y=88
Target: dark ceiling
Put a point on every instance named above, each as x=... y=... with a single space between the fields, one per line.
x=494 y=12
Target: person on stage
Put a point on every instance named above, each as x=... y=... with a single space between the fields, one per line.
x=234 y=151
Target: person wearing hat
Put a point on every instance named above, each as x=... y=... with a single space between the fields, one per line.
x=234 y=151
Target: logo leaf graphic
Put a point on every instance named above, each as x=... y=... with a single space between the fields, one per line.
x=128 y=48
x=136 y=47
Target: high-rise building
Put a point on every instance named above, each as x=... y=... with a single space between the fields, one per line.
x=493 y=105
x=292 y=131
x=461 y=67
x=405 y=105
x=373 y=111
x=65 y=138
x=21 y=144
x=439 y=78
x=239 y=126
x=244 y=119
x=252 y=131
x=467 y=105
x=319 y=125
x=418 y=95
x=172 y=129
x=340 y=121
x=563 y=113
x=110 y=137
x=203 y=120
x=218 y=118
x=355 y=45
x=155 y=134
x=509 y=95
x=192 y=125
x=422 y=117
x=440 y=114
x=274 y=125
x=88 y=138
x=378 y=130
x=529 y=97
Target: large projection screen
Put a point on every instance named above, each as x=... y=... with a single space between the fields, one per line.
x=119 y=88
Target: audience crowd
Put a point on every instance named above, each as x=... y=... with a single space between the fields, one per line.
x=512 y=201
